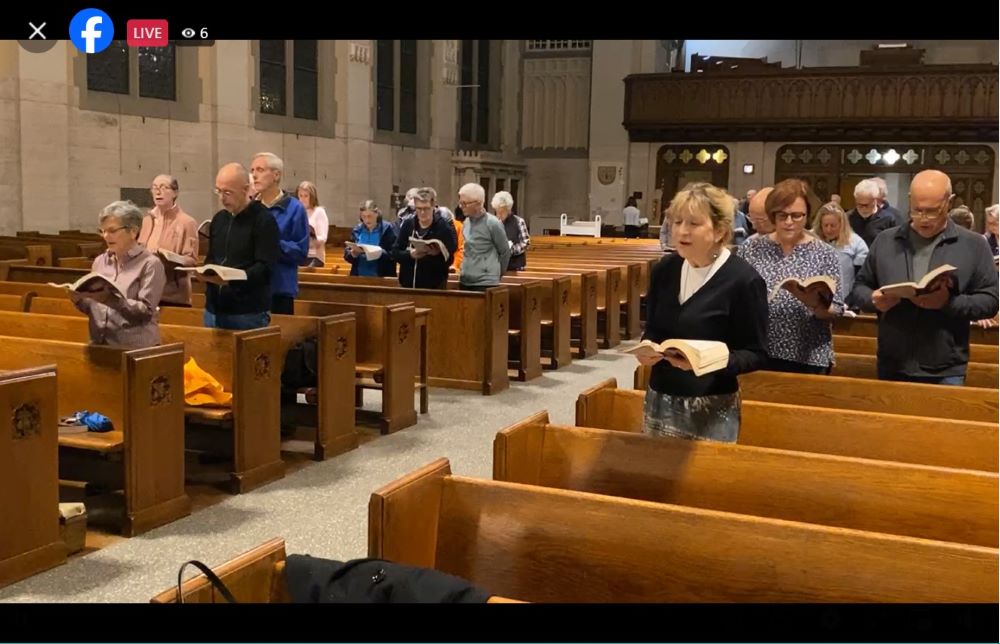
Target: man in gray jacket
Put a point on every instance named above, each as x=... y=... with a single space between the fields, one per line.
x=486 y=249
x=926 y=338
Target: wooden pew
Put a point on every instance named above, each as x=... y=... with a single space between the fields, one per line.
x=840 y=432
x=39 y=274
x=142 y=392
x=467 y=346
x=246 y=364
x=548 y=545
x=867 y=326
x=609 y=284
x=29 y=475
x=852 y=365
x=882 y=396
x=524 y=333
x=868 y=346
x=34 y=254
x=60 y=247
x=878 y=496
x=582 y=303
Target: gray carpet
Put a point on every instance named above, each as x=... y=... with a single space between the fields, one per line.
x=322 y=509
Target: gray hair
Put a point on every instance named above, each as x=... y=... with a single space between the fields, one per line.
x=411 y=193
x=370 y=205
x=868 y=188
x=473 y=191
x=126 y=212
x=883 y=187
x=502 y=199
x=993 y=211
x=273 y=161
x=425 y=194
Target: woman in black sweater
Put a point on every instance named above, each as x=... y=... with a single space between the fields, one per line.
x=703 y=292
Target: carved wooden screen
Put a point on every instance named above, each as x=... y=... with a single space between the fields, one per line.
x=678 y=165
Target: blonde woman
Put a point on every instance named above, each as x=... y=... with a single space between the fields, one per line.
x=319 y=223
x=831 y=225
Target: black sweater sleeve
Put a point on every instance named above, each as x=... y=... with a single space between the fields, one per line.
x=750 y=334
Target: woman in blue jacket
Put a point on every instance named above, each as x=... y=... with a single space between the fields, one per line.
x=372 y=231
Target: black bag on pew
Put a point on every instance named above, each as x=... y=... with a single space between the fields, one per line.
x=301 y=366
x=312 y=580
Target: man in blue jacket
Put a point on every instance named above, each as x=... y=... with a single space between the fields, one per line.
x=293 y=230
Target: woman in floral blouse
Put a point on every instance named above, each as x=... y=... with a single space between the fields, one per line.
x=799 y=336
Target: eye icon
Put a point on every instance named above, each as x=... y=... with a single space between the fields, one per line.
x=188 y=33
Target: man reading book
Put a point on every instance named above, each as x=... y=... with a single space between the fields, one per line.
x=242 y=235
x=125 y=314
x=925 y=337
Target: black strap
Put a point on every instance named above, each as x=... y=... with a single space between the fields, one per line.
x=212 y=578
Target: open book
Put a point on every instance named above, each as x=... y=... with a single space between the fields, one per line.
x=172 y=257
x=214 y=270
x=371 y=252
x=705 y=356
x=426 y=244
x=824 y=284
x=927 y=284
x=91 y=283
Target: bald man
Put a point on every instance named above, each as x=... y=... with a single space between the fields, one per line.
x=926 y=338
x=243 y=235
x=757 y=214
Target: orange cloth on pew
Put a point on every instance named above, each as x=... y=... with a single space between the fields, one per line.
x=202 y=389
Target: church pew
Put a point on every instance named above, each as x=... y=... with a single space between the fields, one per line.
x=582 y=304
x=34 y=254
x=841 y=432
x=878 y=496
x=60 y=247
x=246 y=364
x=851 y=365
x=142 y=392
x=524 y=351
x=29 y=475
x=467 y=343
x=609 y=285
x=546 y=545
x=39 y=274
x=867 y=326
x=987 y=353
x=254 y=577
x=807 y=390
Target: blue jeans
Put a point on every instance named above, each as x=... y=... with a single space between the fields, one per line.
x=955 y=381
x=237 y=322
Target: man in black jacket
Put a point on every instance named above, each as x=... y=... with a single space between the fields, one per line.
x=242 y=235
x=925 y=338
x=421 y=267
x=865 y=218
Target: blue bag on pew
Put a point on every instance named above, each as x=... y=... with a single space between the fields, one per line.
x=93 y=421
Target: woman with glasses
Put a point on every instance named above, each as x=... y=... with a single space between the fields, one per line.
x=831 y=226
x=168 y=228
x=126 y=316
x=799 y=336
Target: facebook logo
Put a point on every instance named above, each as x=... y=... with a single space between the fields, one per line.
x=91 y=31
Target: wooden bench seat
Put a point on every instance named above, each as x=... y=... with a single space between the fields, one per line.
x=547 y=545
x=879 y=496
x=864 y=434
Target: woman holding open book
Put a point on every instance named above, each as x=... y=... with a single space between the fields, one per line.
x=124 y=312
x=170 y=233
x=370 y=250
x=717 y=305
x=799 y=336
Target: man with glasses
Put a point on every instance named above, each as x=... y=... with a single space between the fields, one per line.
x=243 y=235
x=865 y=218
x=168 y=228
x=926 y=338
x=486 y=249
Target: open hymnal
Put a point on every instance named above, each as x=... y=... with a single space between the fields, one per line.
x=91 y=284
x=225 y=273
x=705 y=356
x=172 y=257
x=426 y=245
x=927 y=284
x=824 y=285
x=370 y=251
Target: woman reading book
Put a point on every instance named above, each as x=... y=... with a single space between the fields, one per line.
x=171 y=233
x=702 y=293
x=124 y=315
x=799 y=336
x=371 y=231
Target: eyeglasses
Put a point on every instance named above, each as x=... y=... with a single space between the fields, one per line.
x=785 y=216
x=223 y=193
x=928 y=213
x=109 y=231
x=465 y=204
x=160 y=187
